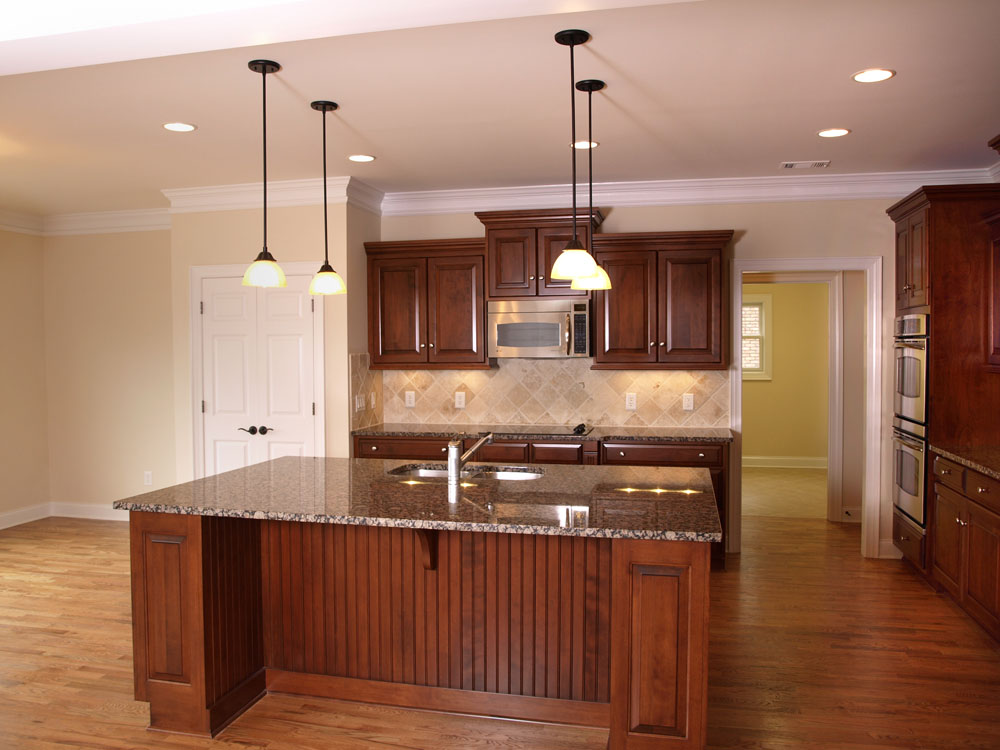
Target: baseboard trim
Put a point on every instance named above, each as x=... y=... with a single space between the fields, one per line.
x=888 y=551
x=24 y=515
x=785 y=462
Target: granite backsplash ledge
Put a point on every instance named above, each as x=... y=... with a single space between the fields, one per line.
x=556 y=391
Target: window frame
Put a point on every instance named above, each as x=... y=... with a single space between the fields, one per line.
x=766 y=342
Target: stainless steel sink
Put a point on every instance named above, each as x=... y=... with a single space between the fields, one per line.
x=502 y=473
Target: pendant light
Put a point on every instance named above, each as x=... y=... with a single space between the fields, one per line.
x=326 y=280
x=264 y=271
x=574 y=260
x=600 y=280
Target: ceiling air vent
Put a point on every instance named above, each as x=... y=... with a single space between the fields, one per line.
x=804 y=164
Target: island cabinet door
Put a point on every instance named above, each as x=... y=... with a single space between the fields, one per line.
x=659 y=642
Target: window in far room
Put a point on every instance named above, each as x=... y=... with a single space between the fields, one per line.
x=756 y=352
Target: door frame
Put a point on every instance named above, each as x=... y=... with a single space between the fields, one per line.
x=871 y=486
x=834 y=281
x=197 y=275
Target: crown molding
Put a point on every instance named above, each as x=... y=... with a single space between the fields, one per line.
x=279 y=194
x=12 y=221
x=107 y=222
x=686 y=192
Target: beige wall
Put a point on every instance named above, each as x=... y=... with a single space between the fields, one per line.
x=853 y=455
x=786 y=416
x=108 y=365
x=24 y=461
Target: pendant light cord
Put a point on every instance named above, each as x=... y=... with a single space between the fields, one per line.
x=572 y=109
x=326 y=243
x=263 y=80
x=590 y=151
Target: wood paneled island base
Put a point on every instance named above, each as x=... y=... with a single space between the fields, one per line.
x=573 y=629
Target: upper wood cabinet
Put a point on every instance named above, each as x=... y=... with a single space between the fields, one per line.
x=993 y=295
x=521 y=247
x=912 y=282
x=667 y=306
x=426 y=307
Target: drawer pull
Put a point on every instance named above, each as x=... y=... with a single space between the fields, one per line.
x=374 y=447
x=621 y=453
x=945 y=472
x=701 y=455
x=445 y=449
x=903 y=539
x=982 y=490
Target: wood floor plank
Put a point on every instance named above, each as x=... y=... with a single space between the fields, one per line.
x=811 y=647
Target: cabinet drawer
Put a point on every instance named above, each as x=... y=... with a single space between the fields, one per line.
x=674 y=454
x=500 y=451
x=909 y=538
x=387 y=447
x=949 y=473
x=556 y=453
x=983 y=490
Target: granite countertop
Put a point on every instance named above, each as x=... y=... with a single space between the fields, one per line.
x=628 y=502
x=555 y=433
x=983 y=458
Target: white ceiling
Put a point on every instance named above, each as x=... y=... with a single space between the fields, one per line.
x=717 y=88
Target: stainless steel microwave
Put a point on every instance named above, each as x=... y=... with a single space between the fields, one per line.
x=544 y=329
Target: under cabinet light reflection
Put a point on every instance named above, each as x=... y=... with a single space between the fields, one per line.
x=658 y=491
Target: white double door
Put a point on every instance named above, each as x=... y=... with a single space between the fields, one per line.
x=258 y=373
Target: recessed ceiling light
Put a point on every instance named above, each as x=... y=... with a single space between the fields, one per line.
x=833 y=132
x=584 y=145
x=361 y=157
x=180 y=127
x=873 y=75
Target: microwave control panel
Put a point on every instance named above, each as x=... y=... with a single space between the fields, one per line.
x=580 y=330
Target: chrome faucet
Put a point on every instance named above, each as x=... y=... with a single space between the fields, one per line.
x=457 y=460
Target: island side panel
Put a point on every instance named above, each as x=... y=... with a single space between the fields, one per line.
x=195 y=609
x=496 y=615
x=659 y=641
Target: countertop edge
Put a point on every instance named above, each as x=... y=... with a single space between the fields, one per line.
x=966 y=462
x=669 y=536
x=616 y=434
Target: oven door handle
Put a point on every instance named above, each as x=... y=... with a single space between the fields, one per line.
x=908 y=443
x=921 y=345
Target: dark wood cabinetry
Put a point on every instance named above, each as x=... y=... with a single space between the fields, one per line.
x=521 y=247
x=912 y=282
x=966 y=543
x=426 y=304
x=993 y=295
x=436 y=448
x=667 y=308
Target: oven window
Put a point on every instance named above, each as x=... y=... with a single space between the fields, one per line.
x=529 y=335
x=907 y=472
x=909 y=376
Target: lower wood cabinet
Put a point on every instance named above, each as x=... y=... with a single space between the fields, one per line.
x=966 y=552
x=421 y=448
x=436 y=449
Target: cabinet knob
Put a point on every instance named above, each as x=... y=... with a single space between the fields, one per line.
x=701 y=455
x=945 y=472
x=652 y=343
x=621 y=453
x=431 y=346
x=532 y=278
x=375 y=448
x=423 y=346
x=445 y=449
x=662 y=343
x=982 y=490
x=541 y=278
x=958 y=521
x=904 y=539
x=963 y=523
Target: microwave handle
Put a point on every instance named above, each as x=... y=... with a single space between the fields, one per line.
x=569 y=340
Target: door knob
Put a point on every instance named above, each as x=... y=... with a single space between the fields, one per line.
x=264 y=430
x=252 y=430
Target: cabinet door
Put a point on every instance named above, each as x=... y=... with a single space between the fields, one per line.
x=917 y=271
x=690 y=307
x=397 y=310
x=949 y=553
x=625 y=315
x=455 y=310
x=982 y=581
x=551 y=242
x=902 y=264
x=512 y=260
x=993 y=301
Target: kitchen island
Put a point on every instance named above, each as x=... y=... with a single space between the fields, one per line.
x=578 y=597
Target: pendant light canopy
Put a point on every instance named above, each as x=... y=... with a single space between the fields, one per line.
x=326 y=280
x=264 y=271
x=600 y=279
x=574 y=261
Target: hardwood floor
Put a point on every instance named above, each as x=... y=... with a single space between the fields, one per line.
x=784 y=493
x=811 y=647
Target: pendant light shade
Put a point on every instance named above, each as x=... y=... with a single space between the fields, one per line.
x=326 y=280
x=264 y=271
x=574 y=261
x=599 y=279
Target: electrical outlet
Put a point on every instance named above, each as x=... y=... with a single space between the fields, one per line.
x=147 y=478
x=371 y=399
x=630 y=402
x=459 y=399
x=410 y=399
x=687 y=402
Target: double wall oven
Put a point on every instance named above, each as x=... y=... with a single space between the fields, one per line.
x=909 y=425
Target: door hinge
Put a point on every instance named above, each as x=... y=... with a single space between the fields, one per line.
x=312 y=304
x=202 y=407
x=201 y=307
x=314 y=408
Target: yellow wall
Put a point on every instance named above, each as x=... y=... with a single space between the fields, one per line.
x=24 y=455
x=108 y=365
x=787 y=415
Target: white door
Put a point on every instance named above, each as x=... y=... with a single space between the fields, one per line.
x=257 y=373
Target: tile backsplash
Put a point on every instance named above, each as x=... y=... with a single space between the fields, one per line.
x=554 y=391
x=365 y=382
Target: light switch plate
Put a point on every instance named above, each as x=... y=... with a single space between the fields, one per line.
x=459 y=399
x=687 y=402
x=410 y=399
x=371 y=399
x=630 y=402
x=359 y=402
x=147 y=478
